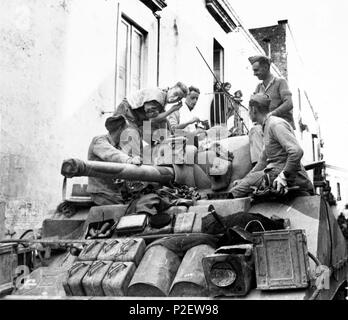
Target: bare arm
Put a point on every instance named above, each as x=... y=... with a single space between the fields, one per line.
x=163 y=115
x=286 y=99
x=185 y=124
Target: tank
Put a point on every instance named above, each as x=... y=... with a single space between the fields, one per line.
x=323 y=246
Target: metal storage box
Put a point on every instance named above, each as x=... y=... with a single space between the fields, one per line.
x=8 y=264
x=184 y=222
x=281 y=259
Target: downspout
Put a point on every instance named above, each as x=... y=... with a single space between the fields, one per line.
x=118 y=18
x=158 y=17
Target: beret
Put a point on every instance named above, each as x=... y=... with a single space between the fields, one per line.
x=140 y=97
x=114 y=122
x=261 y=99
x=258 y=58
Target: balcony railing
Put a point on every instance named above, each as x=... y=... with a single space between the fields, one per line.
x=223 y=107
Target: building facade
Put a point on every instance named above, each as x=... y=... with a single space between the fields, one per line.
x=66 y=64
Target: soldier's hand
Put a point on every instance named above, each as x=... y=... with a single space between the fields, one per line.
x=177 y=106
x=235 y=182
x=280 y=184
x=195 y=119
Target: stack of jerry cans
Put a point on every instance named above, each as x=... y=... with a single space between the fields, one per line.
x=105 y=268
x=73 y=282
x=125 y=255
x=123 y=250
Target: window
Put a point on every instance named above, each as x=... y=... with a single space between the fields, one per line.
x=130 y=65
x=315 y=147
x=218 y=61
x=219 y=103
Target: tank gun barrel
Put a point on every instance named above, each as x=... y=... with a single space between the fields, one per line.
x=79 y=168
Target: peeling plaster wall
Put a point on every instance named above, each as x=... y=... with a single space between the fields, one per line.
x=57 y=67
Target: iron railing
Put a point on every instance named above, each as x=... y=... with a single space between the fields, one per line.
x=223 y=107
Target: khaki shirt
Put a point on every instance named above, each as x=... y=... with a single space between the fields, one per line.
x=280 y=95
x=103 y=148
x=282 y=151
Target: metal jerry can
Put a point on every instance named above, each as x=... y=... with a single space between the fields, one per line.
x=155 y=273
x=189 y=280
x=117 y=278
x=92 y=281
x=91 y=251
x=127 y=249
x=73 y=282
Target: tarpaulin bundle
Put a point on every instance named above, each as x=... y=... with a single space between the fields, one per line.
x=150 y=203
x=251 y=222
x=153 y=199
x=238 y=228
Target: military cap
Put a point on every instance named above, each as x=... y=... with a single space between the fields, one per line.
x=260 y=99
x=259 y=58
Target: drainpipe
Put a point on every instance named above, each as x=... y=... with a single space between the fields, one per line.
x=158 y=17
x=268 y=42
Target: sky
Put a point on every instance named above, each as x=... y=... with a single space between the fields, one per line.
x=320 y=30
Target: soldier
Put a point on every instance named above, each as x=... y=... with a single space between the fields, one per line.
x=185 y=118
x=112 y=148
x=280 y=157
x=281 y=102
x=132 y=107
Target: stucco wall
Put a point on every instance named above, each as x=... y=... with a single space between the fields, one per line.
x=57 y=70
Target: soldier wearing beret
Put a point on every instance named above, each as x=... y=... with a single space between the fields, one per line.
x=280 y=157
x=113 y=147
x=281 y=101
